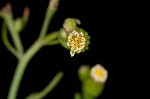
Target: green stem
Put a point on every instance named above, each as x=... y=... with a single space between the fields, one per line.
x=21 y=66
x=54 y=42
x=51 y=39
x=1 y=14
x=85 y=95
x=15 y=37
x=48 y=17
x=50 y=86
x=6 y=41
x=77 y=96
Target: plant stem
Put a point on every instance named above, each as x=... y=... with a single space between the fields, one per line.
x=77 y=96
x=25 y=58
x=15 y=37
x=48 y=16
x=21 y=66
x=54 y=42
x=6 y=41
x=50 y=86
x=51 y=39
x=85 y=94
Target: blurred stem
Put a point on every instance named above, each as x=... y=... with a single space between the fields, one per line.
x=50 y=86
x=25 y=17
x=77 y=96
x=1 y=15
x=85 y=95
x=6 y=41
x=15 y=37
x=48 y=17
x=21 y=66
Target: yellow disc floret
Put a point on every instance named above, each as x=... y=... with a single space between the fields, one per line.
x=76 y=42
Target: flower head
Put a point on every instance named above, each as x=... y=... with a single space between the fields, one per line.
x=99 y=73
x=70 y=24
x=77 y=41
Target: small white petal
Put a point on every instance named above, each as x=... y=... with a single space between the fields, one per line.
x=72 y=53
x=81 y=34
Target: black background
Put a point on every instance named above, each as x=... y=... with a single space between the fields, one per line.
x=106 y=22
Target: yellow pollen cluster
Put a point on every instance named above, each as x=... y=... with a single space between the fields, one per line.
x=99 y=72
x=76 y=41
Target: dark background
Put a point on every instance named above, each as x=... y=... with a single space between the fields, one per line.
x=106 y=22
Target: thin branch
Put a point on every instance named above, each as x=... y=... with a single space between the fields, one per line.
x=6 y=41
x=48 y=17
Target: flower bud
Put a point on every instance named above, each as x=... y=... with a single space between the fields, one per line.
x=94 y=85
x=70 y=24
x=84 y=73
